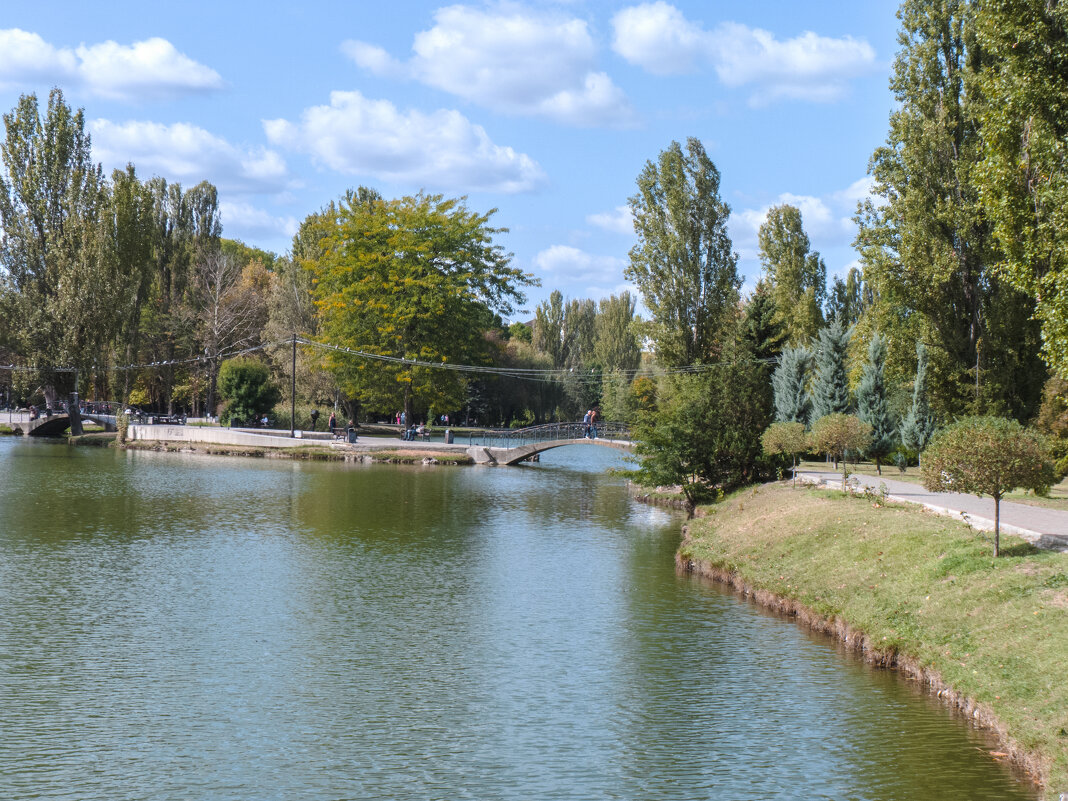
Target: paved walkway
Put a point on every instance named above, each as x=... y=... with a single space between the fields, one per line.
x=1045 y=528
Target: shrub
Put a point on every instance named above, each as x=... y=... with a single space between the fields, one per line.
x=246 y=386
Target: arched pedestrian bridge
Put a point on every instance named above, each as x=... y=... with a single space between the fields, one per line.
x=54 y=425
x=514 y=446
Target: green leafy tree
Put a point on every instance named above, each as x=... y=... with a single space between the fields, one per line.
x=987 y=456
x=797 y=276
x=872 y=405
x=789 y=384
x=837 y=434
x=615 y=346
x=705 y=435
x=245 y=385
x=54 y=261
x=417 y=278
x=787 y=439
x=926 y=242
x=848 y=299
x=919 y=424
x=683 y=263
x=1025 y=135
x=830 y=382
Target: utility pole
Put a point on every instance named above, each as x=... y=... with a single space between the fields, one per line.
x=293 y=394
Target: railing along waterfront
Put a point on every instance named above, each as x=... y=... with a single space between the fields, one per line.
x=549 y=432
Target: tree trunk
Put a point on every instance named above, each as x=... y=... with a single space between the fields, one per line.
x=997 y=525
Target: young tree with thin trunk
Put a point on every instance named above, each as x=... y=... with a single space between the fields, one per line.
x=788 y=439
x=987 y=456
x=835 y=434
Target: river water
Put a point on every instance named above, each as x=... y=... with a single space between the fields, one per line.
x=190 y=627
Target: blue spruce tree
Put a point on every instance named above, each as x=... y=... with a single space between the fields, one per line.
x=788 y=383
x=872 y=406
x=918 y=425
x=830 y=386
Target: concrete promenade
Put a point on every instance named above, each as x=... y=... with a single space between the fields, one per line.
x=1044 y=528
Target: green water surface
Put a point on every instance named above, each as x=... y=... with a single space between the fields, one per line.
x=190 y=627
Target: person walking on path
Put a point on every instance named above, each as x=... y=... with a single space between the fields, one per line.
x=332 y=423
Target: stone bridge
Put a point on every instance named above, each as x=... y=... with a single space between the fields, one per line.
x=54 y=425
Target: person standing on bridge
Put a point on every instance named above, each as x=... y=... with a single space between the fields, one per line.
x=593 y=424
x=586 y=424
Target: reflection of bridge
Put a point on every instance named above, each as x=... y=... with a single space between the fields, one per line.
x=514 y=446
x=54 y=425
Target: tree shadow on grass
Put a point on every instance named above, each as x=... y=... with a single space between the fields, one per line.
x=1020 y=549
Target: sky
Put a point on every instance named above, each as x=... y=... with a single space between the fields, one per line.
x=544 y=111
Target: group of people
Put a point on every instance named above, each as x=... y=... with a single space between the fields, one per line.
x=589 y=424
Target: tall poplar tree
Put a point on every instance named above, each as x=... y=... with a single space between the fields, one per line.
x=55 y=259
x=1025 y=130
x=927 y=248
x=797 y=276
x=684 y=263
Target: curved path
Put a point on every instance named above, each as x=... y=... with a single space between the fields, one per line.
x=1044 y=528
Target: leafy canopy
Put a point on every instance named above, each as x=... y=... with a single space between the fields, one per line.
x=419 y=278
x=987 y=456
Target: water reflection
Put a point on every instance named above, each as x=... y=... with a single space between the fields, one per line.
x=185 y=627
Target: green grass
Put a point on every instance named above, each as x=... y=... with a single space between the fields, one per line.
x=919 y=585
x=1058 y=495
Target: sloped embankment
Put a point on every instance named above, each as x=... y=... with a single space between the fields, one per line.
x=913 y=591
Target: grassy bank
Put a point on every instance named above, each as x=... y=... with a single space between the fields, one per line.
x=916 y=591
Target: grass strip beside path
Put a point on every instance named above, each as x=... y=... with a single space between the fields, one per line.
x=923 y=589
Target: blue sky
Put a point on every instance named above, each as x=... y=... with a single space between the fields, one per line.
x=546 y=111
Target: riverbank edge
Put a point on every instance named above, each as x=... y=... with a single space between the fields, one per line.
x=316 y=453
x=855 y=640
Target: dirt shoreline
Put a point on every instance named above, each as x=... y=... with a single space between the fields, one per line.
x=861 y=644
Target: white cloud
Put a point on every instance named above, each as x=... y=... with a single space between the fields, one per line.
x=146 y=70
x=657 y=37
x=373 y=58
x=577 y=265
x=443 y=149
x=186 y=153
x=26 y=58
x=247 y=222
x=827 y=220
x=620 y=220
x=510 y=61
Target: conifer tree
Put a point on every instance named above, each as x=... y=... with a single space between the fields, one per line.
x=918 y=426
x=792 y=403
x=830 y=384
x=872 y=406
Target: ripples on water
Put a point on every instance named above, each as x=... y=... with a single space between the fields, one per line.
x=182 y=627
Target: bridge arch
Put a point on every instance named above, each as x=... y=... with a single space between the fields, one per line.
x=521 y=453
